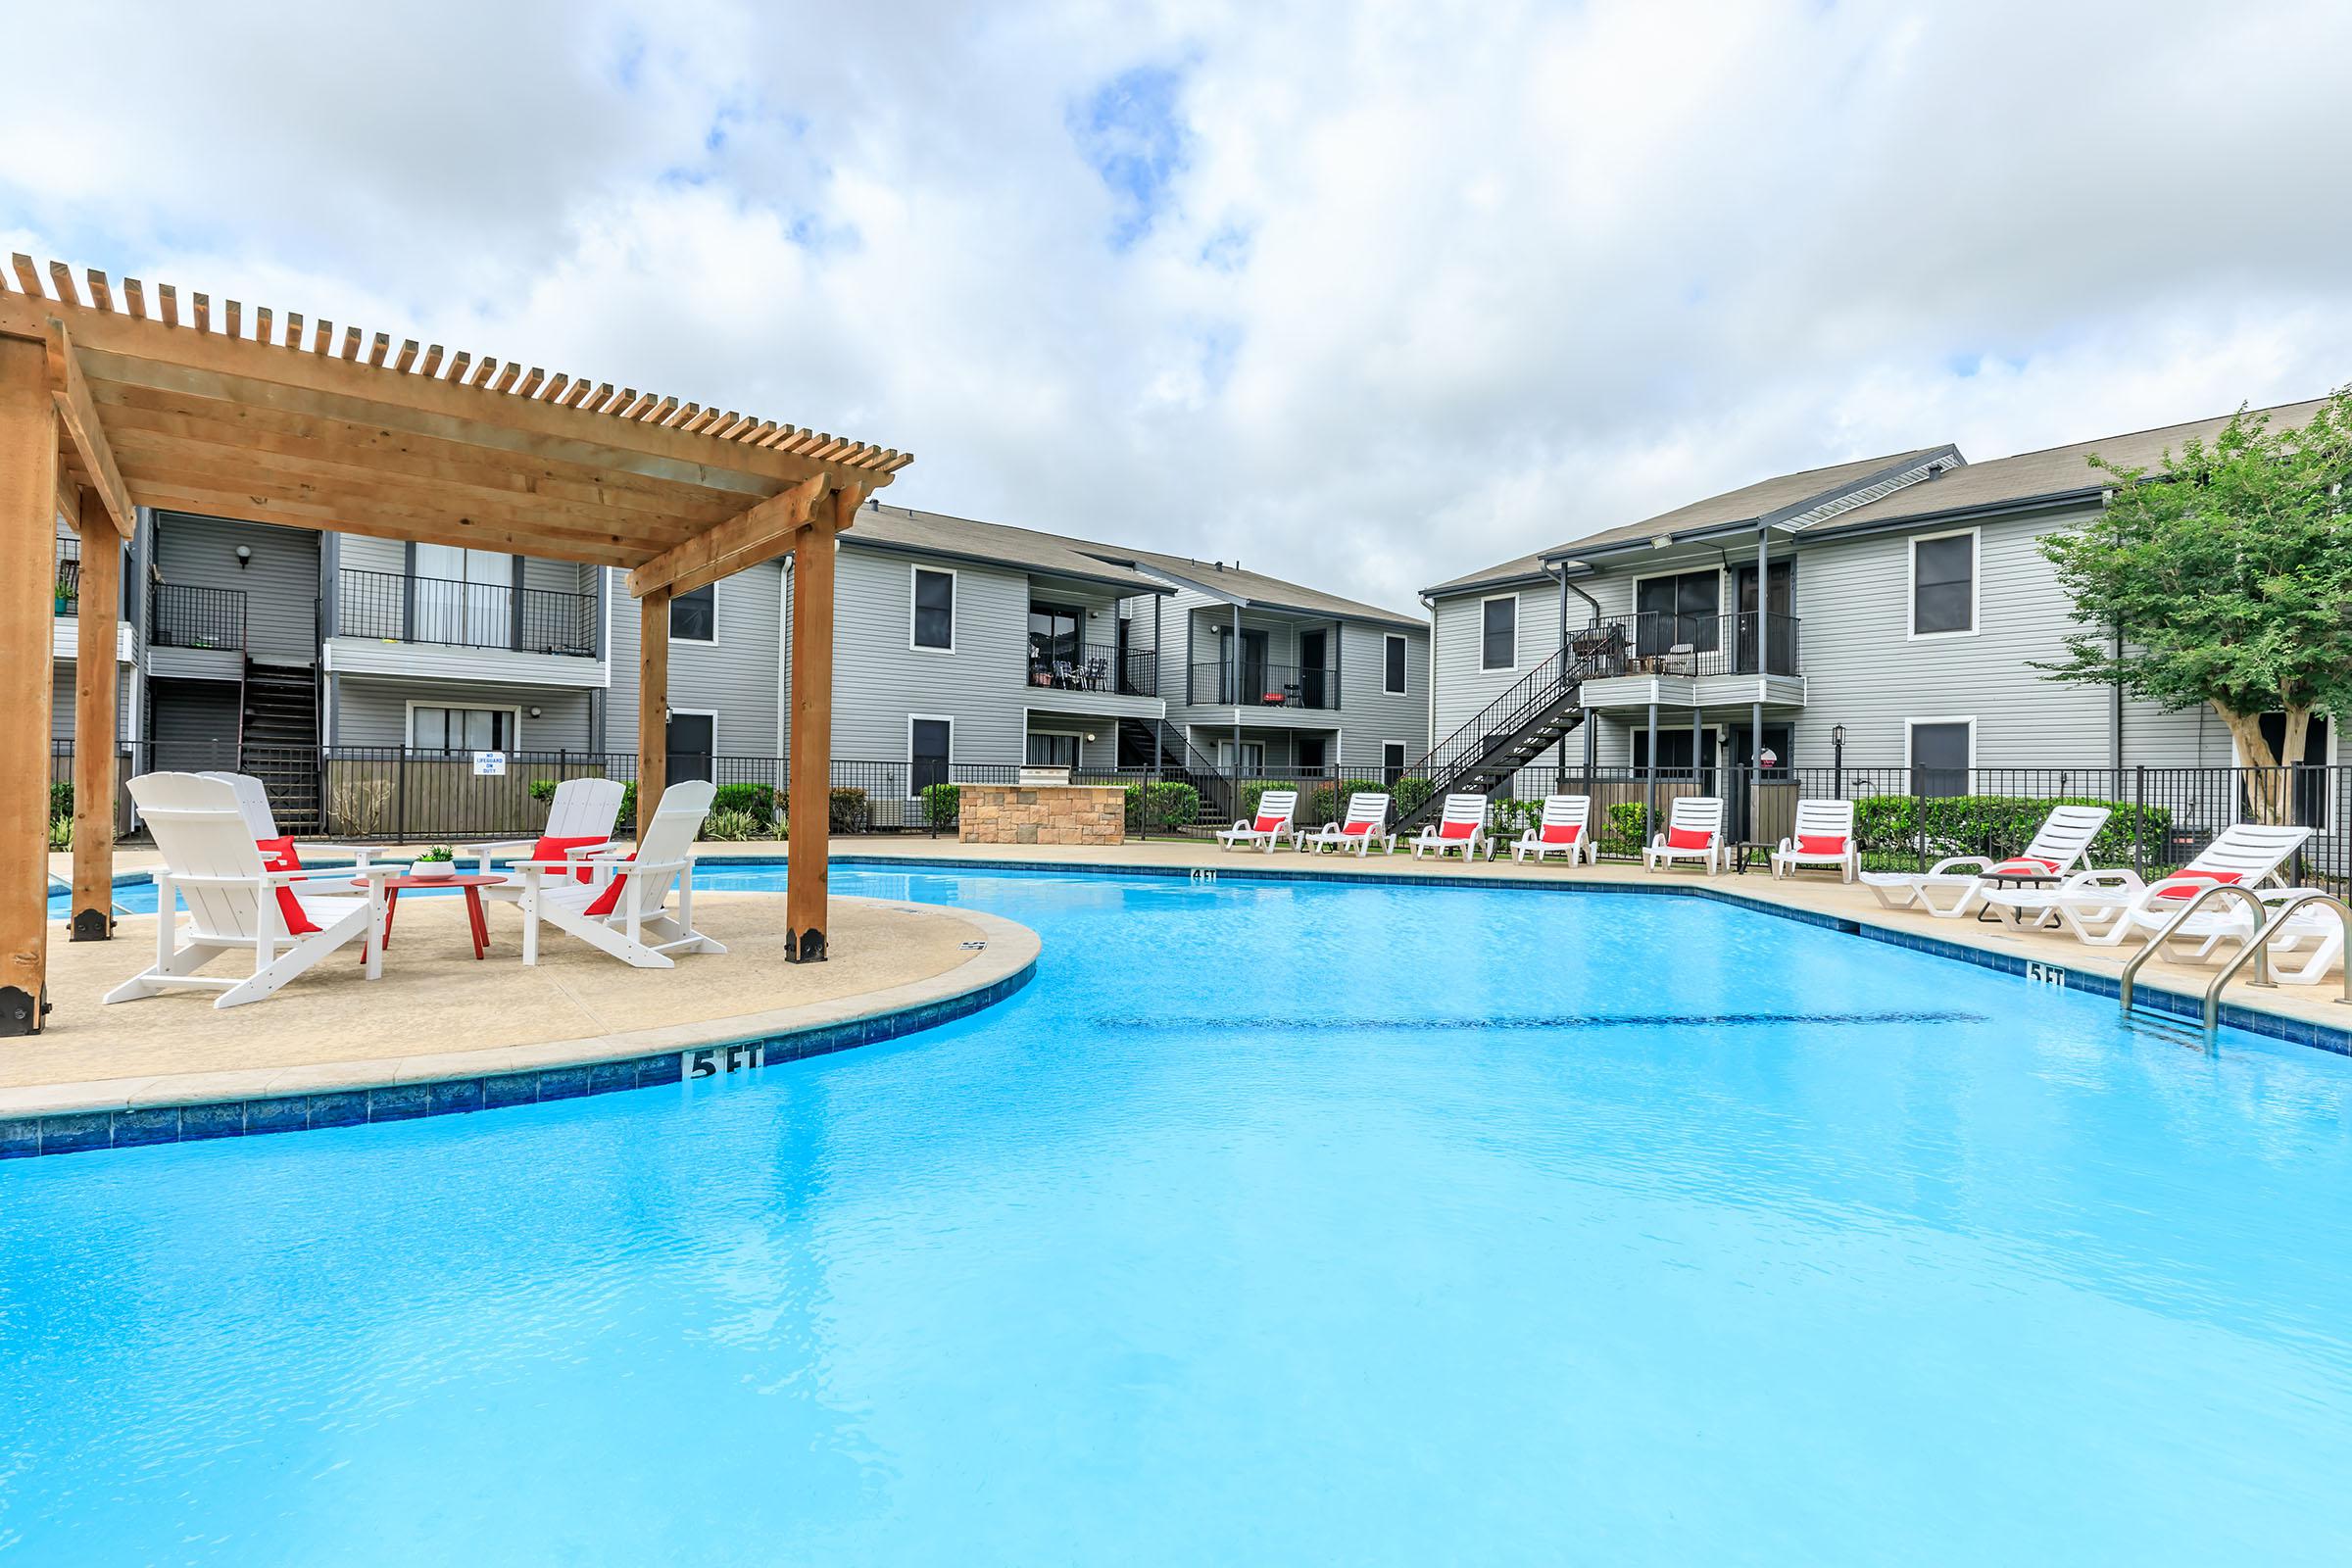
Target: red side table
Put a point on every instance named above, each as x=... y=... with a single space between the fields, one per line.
x=473 y=885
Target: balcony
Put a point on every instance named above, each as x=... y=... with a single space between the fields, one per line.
x=390 y=607
x=1691 y=646
x=67 y=598
x=181 y=615
x=1255 y=684
x=1094 y=668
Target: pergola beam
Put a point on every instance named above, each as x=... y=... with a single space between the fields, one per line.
x=70 y=390
x=758 y=533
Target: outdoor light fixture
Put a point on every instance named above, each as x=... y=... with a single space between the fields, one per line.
x=244 y=556
x=1838 y=734
x=535 y=713
x=1659 y=541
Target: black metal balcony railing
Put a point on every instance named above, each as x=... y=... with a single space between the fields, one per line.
x=68 y=575
x=1094 y=668
x=1255 y=684
x=1745 y=642
x=182 y=615
x=396 y=608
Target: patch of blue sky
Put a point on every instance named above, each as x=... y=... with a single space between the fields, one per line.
x=1964 y=365
x=1129 y=133
x=1227 y=249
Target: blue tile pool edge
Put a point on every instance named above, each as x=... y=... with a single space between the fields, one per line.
x=76 y=1132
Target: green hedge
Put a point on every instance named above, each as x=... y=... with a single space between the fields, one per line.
x=1887 y=827
x=758 y=801
x=1328 y=802
x=1165 y=803
x=1413 y=793
x=943 y=805
x=543 y=790
x=1624 y=829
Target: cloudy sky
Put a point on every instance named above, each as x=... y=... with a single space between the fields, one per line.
x=1363 y=294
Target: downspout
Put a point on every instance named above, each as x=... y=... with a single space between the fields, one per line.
x=1429 y=736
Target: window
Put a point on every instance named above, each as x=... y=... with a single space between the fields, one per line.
x=1944 y=585
x=694 y=616
x=1940 y=751
x=1678 y=612
x=1499 y=633
x=1392 y=669
x=691 y=739
x=934 y=608
x=1392 y=763
x=1253 y=757
x=463 y=597
x=1311 y=754
x=1056 y=645
x=463 y=729
x=1052 y=750
x=928 y=744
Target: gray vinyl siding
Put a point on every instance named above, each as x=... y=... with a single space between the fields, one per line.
x=193 y=725
x=1366 y=719
x=1465 y=689
x=737 y=675
x=879 y=681
x=375 y=712
x=61 y=700
x=1369 y=718
x=280 y=583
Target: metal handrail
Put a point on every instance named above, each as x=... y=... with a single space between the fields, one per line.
x=2256 y=945
x=2279 y=913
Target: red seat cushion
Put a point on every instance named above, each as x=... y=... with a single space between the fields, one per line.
x=1358 y=829
x=606 y=902
x=2189 y=884
x=1456 y=830
x=1561 y=832
x=548 y=849
x=2028 y=863
x=1683 y=838
x=1811 y=844
x=1269 y=824
x=279 y=855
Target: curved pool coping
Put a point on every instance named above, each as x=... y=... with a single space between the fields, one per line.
x=128 y=1113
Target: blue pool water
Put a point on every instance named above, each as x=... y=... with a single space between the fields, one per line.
x=1274 y=1223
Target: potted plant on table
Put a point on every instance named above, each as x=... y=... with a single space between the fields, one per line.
x=434 y=865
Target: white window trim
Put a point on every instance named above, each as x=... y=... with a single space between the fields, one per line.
x=711 y=641
x=514 y=730
x=1910 y=724
x=1406 y=663
x=1975 y=584
x=954 y=594
x=1077 y=735
x=671 y=711
x=1483 y=665
x=1403 y=756
x=912 y=719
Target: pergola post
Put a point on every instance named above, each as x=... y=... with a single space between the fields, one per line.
x=810 y=807
x=653 y=702
x=96 y=682
x=28 y=475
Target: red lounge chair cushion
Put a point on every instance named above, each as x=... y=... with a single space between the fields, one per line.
x=1268 y=825
x=1683 y=838
x=2189 y=884
x=1357 y=829
x=1561 y=832
x=606 y=902
x=1808 y=843
x=561 y=849
x=278 y=855
x=1456 y=830
x=2026 y=864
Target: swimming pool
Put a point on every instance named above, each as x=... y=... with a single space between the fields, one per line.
x=1275 y=1222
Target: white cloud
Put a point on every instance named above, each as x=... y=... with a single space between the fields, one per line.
x=1426 y=287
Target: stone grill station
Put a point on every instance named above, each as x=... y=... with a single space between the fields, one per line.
x=1043 y=808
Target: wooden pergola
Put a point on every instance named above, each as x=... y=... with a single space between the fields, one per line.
x=111 y=399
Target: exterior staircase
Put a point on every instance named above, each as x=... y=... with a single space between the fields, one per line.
x=279 y=743
x=1163 y=749
x=1518 y=727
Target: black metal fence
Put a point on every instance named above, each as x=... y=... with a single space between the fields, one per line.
x=184 y=615
x=398 y=608
x=1094 y=668
x=1260 y=684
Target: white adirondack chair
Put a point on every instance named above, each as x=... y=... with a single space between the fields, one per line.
x=1276 y=809
x=2058 y=846
x=1825 y=836
x=1461 y=826
x=583 y=809
x=1691 y=814
x=627 y=915
x=1367 y=825
x=1566 y=828
x=210 y=859
x=253 y=802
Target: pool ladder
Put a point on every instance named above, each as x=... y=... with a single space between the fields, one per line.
x=2255 y=949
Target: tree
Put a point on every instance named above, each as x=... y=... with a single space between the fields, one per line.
x=2223 y=576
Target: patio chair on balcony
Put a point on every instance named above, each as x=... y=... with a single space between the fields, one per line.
x=1966 y=880
x=1462 y=826
x=237 y=901
x=1693 y=832
x=253 y=805
x=1276 y=811
x=1824 y=836
x=1098 y=674
x=627 y=915
x=1565 y=828
x=580 y=822
x=1366 y=824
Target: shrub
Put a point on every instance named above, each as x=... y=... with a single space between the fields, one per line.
x=943 y=805
x=755 y=801
x=1253 y=790
x=1413 y=793
x=849 y=813
x=730 y=827
x=1623 y=828
x=1888 y=827
x=61 y=833
x=543 y=790
x=1329 y=801
x=61 y=798
x=1507 y=819
x=1165 y=803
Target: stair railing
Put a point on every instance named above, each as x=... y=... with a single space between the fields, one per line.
x=1586 y=657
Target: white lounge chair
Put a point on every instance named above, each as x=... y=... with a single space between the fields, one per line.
x=1824 y=836
x=235 y=902
x=1462 y=825
x=1366 y=824
x=2058 y=846
x=1565 y=828
x=620 y=914
x=1693 y=832
x=2103 y=908
x=580 y=821
x=2304 y=946
x=253 y=803
x=1276 y=809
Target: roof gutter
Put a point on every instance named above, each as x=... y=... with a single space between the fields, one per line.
x=1989 y=509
